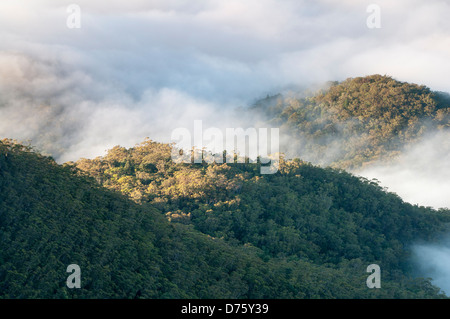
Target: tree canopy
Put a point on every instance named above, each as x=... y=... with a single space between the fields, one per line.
x=357 y=121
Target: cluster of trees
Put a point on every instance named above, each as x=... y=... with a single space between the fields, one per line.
x=322 y=217
x=359 y=120
x=253 y=244
x=50 y=217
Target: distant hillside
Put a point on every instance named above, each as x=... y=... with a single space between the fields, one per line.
x=357 y=121
x=302 y=213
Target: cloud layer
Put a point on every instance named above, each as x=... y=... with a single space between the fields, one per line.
x=421 y=175
x=233 y=50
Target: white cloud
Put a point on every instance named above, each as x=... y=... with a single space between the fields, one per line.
x=421 y=175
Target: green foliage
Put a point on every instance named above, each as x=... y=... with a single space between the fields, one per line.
x=359 y=120
x=51 y=217
x=140 y=225
x=321 y=217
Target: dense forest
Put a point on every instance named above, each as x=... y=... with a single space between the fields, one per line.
x=302 y=213
x=256 y=239
x=358 y=121
x=141 y=226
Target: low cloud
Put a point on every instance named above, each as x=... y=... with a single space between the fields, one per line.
x=431 y=261
x=421 y=174
x=70 y=114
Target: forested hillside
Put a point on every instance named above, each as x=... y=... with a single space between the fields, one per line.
x=302 y=213
x=357 y=121
x=51 y=217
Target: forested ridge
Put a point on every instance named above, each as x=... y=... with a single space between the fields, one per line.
x=307 y=213
x=52 y=217
x=358 y=121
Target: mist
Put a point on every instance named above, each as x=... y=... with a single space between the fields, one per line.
x=421 y=174
x=70 y=115
x=432 y=261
